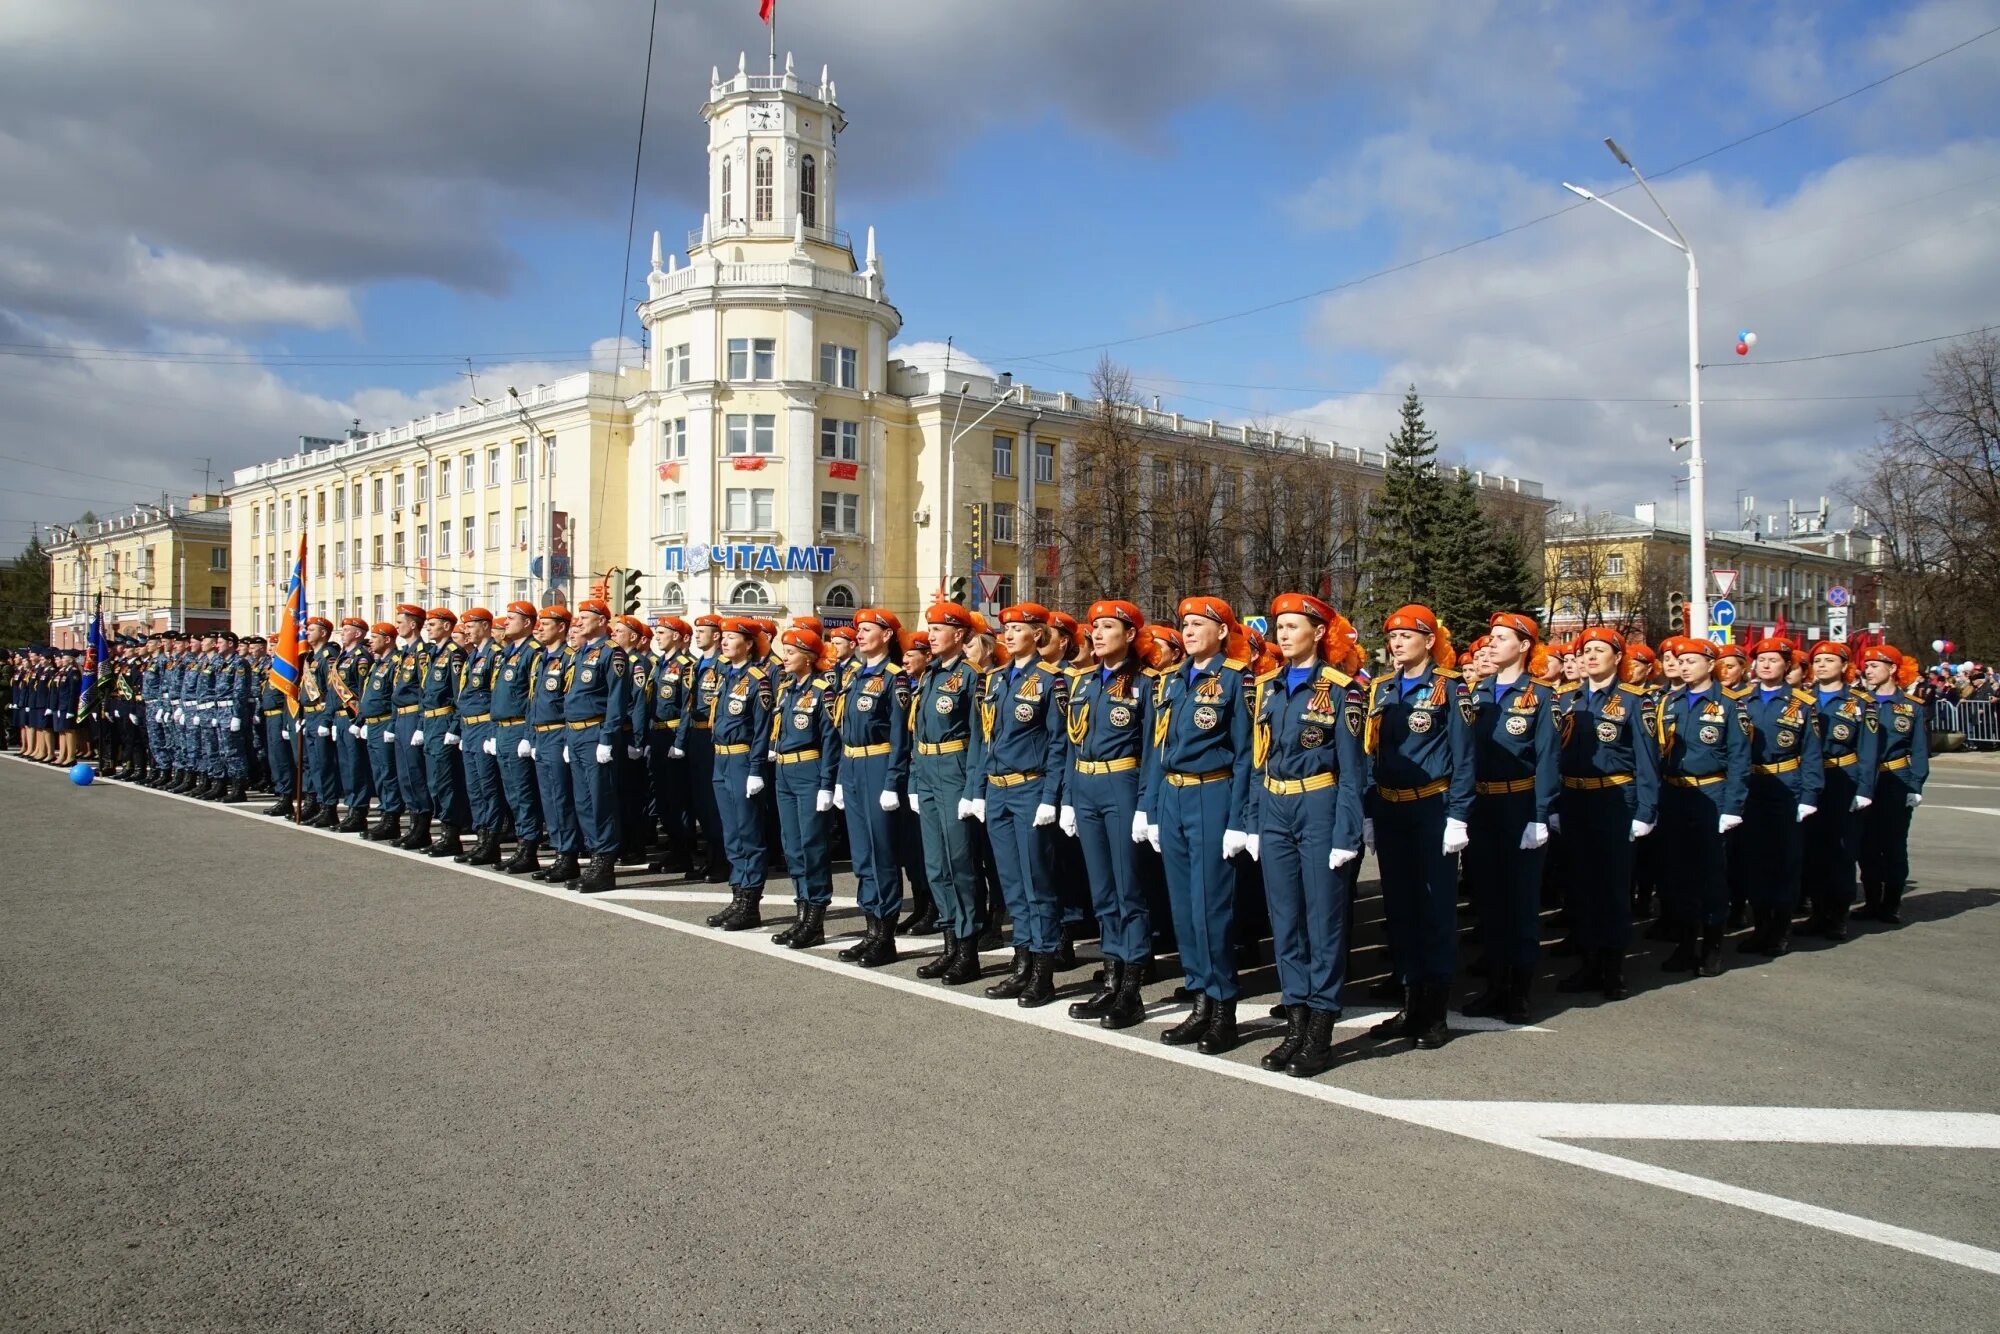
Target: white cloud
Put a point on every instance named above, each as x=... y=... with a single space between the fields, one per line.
x=931 y=356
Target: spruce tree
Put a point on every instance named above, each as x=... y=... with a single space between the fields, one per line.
x=1399 y=555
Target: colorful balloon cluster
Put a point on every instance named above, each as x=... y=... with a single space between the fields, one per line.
x=1745 y=340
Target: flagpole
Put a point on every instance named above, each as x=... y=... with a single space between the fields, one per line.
x=772 y=69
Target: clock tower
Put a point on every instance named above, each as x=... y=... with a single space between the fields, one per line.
x=771 y=163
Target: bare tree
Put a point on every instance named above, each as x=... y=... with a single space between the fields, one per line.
x=1101 y=521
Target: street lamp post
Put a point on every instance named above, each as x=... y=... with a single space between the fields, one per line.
x=950 y=468
x=1697 y=603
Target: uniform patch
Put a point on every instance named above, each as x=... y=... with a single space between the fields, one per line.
x=1902 y=722
x=736 y=706
x=1517 y=725
x=589 y=675
x=866 y=704
x=1743 y=721
x=1311 y=738
x=945 y=704
x=1786 y=740
x=618 y=665
x=1842 y=732
x=1353 y=716
x=1710 y=734
x=553 y=681
x=1420 y=721
x=1468 y=710
x=1121 y=715
x=1607 y=731
x=801 y=721
x=1024 y=712
x=1206 y=718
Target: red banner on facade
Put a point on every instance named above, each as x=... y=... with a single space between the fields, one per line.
x=670 y=472
x=749 y=465
x=844 y=471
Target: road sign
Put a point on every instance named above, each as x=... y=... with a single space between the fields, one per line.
x=1722 y=612
x=1836 y=625
x=989 y=585
x=1721 y=634
x=1724 y=581
x=1837 y=596
x=1259 y=624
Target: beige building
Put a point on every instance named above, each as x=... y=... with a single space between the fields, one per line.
x=769 y=458
x=155 y=568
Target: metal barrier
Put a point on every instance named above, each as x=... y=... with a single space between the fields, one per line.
x=1977 y=720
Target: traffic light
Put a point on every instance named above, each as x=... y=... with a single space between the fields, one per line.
x=1677 y=613
x=628 y=593
x=957 y=591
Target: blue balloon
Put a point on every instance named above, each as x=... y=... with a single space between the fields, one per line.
x=82 y=775
x=1742 y=335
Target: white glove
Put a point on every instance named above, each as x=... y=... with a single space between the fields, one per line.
x=634 y=753
x=416 y=738
x=915 y=803
x=965 y=808
x=1340 y=857
x=888 y=801
x=603 y=753
x=676 y=753
x=822 y=800
x=839 y=797
x=452 y=739
x=489 y=747
x=323 y=730
x=1233 y=841
x=180 y=715
x=1639 y=830
x=1153 y=836
x=1727 y=823
x=1555 y=823
x=1066 y=820
x=235 y=724
x=1807 y=812
x=284 y=734
x=1368 y=834
x=979 y=809
x=1916 y=800
x=1534 y=836
x=1455 y=837
x=1862 y=803
x=1253 y=844
x=524 y=750
x=752 y=785
x=1045 y=814
x=1139 y=823
x=565 y=754
x=355 y=729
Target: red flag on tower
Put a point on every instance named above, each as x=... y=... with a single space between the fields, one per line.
x=766 y=8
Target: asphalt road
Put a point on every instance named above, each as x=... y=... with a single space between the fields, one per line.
x=261 y=1078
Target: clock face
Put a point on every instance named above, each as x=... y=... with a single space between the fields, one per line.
x=766 y=116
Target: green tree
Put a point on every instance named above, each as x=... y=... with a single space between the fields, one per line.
x=1399 y=561
x=1482 y=566
x=24 y=596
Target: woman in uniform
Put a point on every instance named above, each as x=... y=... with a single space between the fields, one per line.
x=872 y=718
x=1785 y=784
x=1905 y=764
x=1704 y=740
x=803 y=753
x=1850 y=744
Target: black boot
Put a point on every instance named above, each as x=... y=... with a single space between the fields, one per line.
x=1428 y=1026
x=1492 y=1001
x=310 y=811
x=746 y=916
x=1589 y=976
x=1100 y=1000
x=1710 y=962
x=812 y=928
x=923 y=922
x=448 y=843
x=1011 y=986
x=388 y=829
x=1128 y=1003
x=964 y=967
x=356 y=821
x=1280 y=1056
x=1739 y=915
x=282 y=806
x=883 y=949
x=721 y=915
x=419 y=836
x=1871 y=901
x=1892 y=905
x=329 y=816
x=559 y=871
x=1399 y=1024
x=1065 y=955
x=936 y=966
x=1315 y=1053
x=1614 y=975
x=1781 y=933
x=1387 y=989
x=1685 y=957
x=602 y=876
x=464 y=855
x=1041 y=984
x=1221 y=1034
x=1833 y=923
x=1191 y=1028
x=234 y=796
x=861 y=946
x=784 y=937
x=527 y=857
x=487 y=851
x=1520 y=983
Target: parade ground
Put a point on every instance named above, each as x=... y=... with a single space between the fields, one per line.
x=266 y=1078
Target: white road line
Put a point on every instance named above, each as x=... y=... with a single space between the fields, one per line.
x=1468 y=1120
x=1976 y=810
x=1747 y=1125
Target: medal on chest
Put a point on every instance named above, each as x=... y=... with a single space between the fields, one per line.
x=1420 y=721
x=1311 y=738
x=1607 y=729
x=1207 y=717
x=1517 y=724
x=1120 y=715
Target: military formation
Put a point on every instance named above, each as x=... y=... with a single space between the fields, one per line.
x=1187 y=790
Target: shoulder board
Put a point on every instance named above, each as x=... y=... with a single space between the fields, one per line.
x=1567 y=688
x=1631 y=689
x=1335 y=675
x=1238 y=663
x=1153 y=672
x=1053 y=671
x=822 y=681
x=1271 y=675
x=1448 y=673
x=1804 y=696
x=757 y=671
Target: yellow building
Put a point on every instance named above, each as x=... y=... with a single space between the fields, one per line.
x=156 y=568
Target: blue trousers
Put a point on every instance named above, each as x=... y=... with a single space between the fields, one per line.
x=1769 y=844
x=232 y=748
x=357 y=781
x=595 y=794
x=1506 y=881
x=1831 y=843
x=1695 y=883
x=517 y=780
x=411 y=770
x=938 y=783
x=871 y=835
x=1104 y=805
x=1885 y=833
x=1201 y=885
x=1598 y=825
x=552 y=782
x=742 y=822
x=283 y=775
x=323 y=759
x=1024 y=859
x=444 y=776
x=383 y=765
x=805 y=832
x=1420 y=889
x=1308 y=903
x=700 y=750
x=672 y=801
x=482 y=774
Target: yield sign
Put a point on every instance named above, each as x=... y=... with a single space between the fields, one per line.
x=989 y=585
x=1724 y=580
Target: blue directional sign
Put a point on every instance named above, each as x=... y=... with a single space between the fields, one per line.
x=1722 y=612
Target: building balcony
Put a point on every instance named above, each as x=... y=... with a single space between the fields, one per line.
x=741 y=229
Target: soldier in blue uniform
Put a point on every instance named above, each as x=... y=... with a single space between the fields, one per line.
x=346 y=679
x=1014 y=782
x=478 y=740
x=551 y=746
x=274 y=717
x=516 y=657
x=698 y=751
x=1899 y=781
x=1786 y=778
x=412 y=665
x=378 y=733
x=1704 y=743
x=803 y=753
x=152 y=686
x=1419 y=734
x=236 y=708
x=1610 y=800
x=1850 y=740
x=596 y=712
x=632 y=775
x=1518 y=778
x=1196 y=803
x=321 y=778
x=943 y=711
x=667 y=773
x=438 y=731
x=872 y=719
x=1304 y=819
x=738 y=729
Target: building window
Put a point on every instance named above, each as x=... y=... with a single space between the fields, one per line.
x=357 y=554
x=839 y=366
x=1003 y=456
x=728 y=206
x=270 y=568
x=672 y=596
x=399 y=550
x=355 y=503
x=271 y=518
x=493 y=465
x=753 y=358
x=1004 y=594
x=444 y=477
x=339 y=503
x=378 y=496
x=521 y=526
x=376 y=549
x=809 y=191
x=1045 y=461
x=839 y=595
x=751 y=434
x=444 y=540
x=520 y=460
x=675 y=364
x=319 y=561
x=674 y=512
x=468 y=535
x=423 y=482
x=761 y=182
x=749 y=509
x=840 y=512
x=319 y=507
x=548 y=456
x=218 y=558
x=424 y=541
x=256 y=521
x=218 y=598
x=520 y=590
x=1003 y=523
x=839 y=440
x=1045 y=528
x=749 y=593
x=1614 y=565
x=674 y=439
x=492 y=592
x=401 y=490
x=288 y=514
x=493 y=530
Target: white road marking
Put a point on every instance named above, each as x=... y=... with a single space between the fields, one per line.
x=1746 y=1125
x=1976 y=810
x=1172 y=1012
x=1476 y=1121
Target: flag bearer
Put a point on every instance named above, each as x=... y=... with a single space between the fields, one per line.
x=1899 y=781
x=1850 y=740
x=1704 y=741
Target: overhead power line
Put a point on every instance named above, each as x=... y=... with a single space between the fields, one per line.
x=1857 y=352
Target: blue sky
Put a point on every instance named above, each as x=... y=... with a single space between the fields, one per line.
x=1044 y=176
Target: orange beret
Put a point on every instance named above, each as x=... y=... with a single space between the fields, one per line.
x=384 y=629
x=478 y=614
x=914 y=641
x=1114 y=609
x=1601 y=634
x=354 y=621
x=1771 y=645
x=1301 y=604
x=557 y=612
x=441 y=614
x=1729 y=651
x=1024 y=613
x=1883 y=653
x=1640 y=653
x=1835 y=648
x=1214 y=609
x=673 y=623
x=598 y=605
x=1520 y=623
x=879 y=617
x=1684 y=644
x=711 y=620
x=1412 y=617
x=949 y=613
x=764 y=623
x=1064 y=622
x=799 y=637
x=634 y=624
x=740 y=625
x=811 y=623
x=840 y=632
x=526 y=609
x=409 y=609
x=321 y=622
